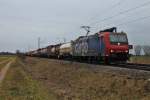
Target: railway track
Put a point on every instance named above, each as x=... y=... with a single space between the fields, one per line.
x=145 y=67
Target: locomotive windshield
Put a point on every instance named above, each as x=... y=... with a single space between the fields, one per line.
x=118 y=38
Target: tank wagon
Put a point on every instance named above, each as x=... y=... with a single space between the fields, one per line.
x=107 y=45
x=32 y=53
x=50 y=51
x=43 y=52
x=56 y=50
x=65 y=50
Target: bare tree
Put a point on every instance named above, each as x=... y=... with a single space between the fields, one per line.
x=20 y=54
x=137 y=50
x=146 y=49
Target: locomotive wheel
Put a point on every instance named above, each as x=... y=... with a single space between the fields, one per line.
x=89 y=60
x=107 y=60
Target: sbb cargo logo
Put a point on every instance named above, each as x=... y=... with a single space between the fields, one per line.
x=81 y=48
x=84 y=47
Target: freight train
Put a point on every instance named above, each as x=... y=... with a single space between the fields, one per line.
x=107 y=45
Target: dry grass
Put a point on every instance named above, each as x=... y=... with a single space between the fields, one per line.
x=140 y=59
x=18 y=85
x=43 y=79
x=2 y=58
x=77 y=82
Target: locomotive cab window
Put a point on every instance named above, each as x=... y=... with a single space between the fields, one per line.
x=118 y=38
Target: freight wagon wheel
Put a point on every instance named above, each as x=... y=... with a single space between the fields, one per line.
x=58 y=57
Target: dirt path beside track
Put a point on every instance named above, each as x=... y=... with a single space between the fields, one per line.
x=4 y=70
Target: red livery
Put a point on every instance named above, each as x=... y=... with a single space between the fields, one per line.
x=115 y=45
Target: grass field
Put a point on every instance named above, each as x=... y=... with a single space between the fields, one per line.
x=77 y=82
x=2 y=58
x=45 y=79
x=18 y=85
x=140 y=59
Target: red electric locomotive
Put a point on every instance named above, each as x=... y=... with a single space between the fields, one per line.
x=107 y=45
x=114 y=46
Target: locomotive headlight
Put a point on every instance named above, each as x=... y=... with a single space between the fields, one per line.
x=111 y=51
x=126 y=51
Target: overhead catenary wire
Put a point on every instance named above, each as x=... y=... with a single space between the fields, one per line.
x=131 y=21
x=128 y=21
x=123 y=12
x=109 y=8
x=135 y=20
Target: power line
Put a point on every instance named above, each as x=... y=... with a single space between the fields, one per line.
x=135 y=20
x=123 y=12
x=131 y=21
x=138 y=19
x=109 y=8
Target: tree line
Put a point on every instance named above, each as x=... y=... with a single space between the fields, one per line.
x=139 y=48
